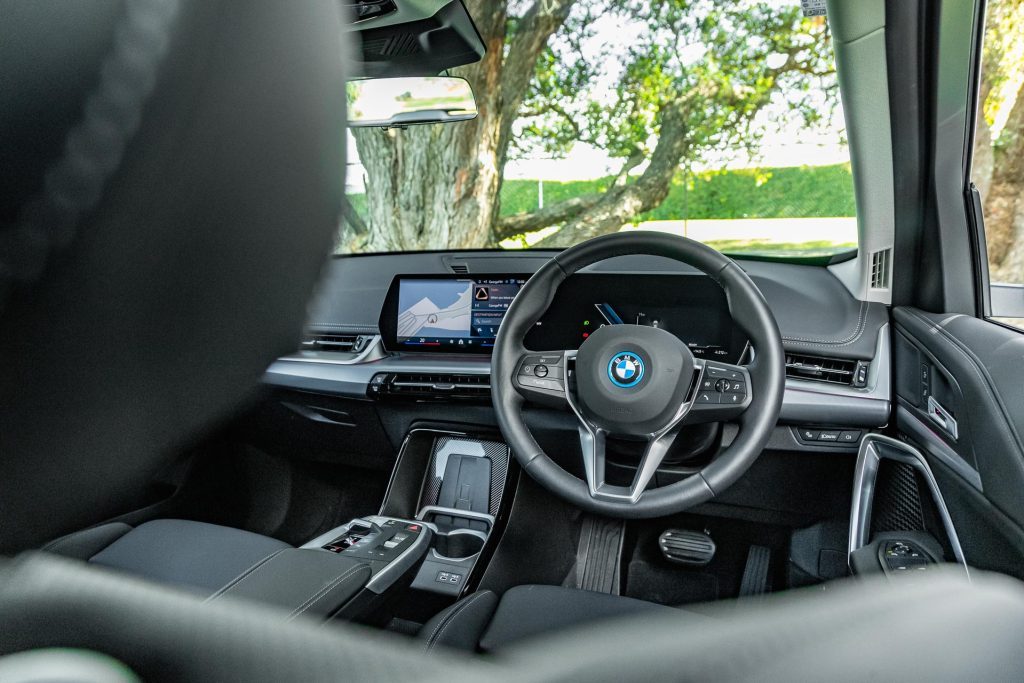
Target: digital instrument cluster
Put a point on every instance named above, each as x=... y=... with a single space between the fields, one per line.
x=462 y=315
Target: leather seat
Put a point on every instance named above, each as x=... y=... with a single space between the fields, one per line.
x=482 y=622
x=197 y=556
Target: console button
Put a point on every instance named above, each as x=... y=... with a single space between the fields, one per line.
x=849 y=437
x=809 y=434
x=727 y=386
x=719 y=371
x=732 y=399
x=828 y=435
x=538 y=383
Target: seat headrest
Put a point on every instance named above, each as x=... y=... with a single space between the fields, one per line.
x=172 y=172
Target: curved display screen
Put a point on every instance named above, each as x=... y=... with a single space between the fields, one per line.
x=461 y=314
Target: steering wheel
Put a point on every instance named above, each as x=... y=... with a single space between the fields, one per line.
x=638 y=382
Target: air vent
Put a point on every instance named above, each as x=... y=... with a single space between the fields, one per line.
x=880 y=269
x=431 y=387
x=459 y=268
x=391 y=46
x=342 y=343
x=830 y=370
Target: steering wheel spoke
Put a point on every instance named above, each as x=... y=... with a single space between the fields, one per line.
x=541 y=377
x=593 y=442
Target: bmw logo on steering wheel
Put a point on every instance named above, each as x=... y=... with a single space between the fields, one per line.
x=625 y=369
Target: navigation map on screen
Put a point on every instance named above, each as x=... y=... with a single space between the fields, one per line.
x=453 y=313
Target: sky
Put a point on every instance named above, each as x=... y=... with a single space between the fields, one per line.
x=792 y=146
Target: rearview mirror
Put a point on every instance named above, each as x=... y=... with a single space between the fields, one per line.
x=406 y=101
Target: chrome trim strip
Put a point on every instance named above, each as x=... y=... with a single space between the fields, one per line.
x=374 y=351
x=804 y=401
x=868 y=460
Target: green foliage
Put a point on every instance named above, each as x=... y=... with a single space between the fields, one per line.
x=795 y=192
x=719 y=63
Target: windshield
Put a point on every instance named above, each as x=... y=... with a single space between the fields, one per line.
x=717 y=121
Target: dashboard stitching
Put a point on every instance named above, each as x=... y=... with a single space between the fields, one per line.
x=857 y=333
x=345 y=326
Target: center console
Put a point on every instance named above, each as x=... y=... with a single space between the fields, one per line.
x=345 y=573
x=420 y=552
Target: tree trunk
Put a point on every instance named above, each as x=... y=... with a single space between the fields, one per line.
x=1004 y=204
x=438 y=187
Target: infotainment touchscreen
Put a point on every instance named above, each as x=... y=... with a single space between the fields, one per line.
x=452 y=313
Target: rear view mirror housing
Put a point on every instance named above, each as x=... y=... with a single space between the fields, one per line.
x=411 y=100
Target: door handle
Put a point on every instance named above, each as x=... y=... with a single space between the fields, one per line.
x=942 y=417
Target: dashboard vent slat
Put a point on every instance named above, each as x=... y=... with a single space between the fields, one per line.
x=336 y=342
x=821 y=369
x=431 y=386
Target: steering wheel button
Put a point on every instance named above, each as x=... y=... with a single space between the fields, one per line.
x=706 y=397
x=527 y=370
x=732 y=398
x=541 y=371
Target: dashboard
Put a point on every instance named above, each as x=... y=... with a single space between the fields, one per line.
x=452 y=314
x=362 y=298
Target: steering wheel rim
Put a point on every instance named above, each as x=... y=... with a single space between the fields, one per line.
x=765 y=377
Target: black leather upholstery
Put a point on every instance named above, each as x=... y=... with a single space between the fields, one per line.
x=482 y=622
x=194 y=555
x=460 y=626
x=305 y=582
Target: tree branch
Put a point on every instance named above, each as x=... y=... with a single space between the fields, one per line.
x=553 y=214
x=352 y=217
x=560 y=212
x=540 y=22
x=650 y=189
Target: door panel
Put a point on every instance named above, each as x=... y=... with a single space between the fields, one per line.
x=960 y=398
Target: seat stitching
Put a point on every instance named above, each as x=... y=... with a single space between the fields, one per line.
x=446 y=622
x=320 y=594
x=238 y=579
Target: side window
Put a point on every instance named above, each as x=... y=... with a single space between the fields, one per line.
x=998 y=170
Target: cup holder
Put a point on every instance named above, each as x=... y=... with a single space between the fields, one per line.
x=459 y=544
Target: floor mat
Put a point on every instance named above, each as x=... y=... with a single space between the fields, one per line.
x=668 y=585
x=651 y=577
